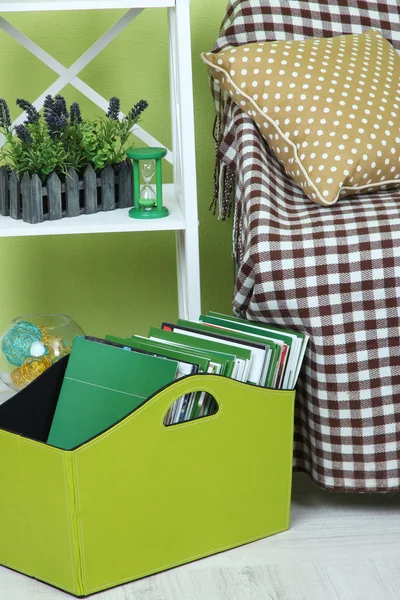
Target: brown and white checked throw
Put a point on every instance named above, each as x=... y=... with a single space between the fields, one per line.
x=333 y=272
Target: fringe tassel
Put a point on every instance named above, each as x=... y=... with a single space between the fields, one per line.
x=216 y=136
x=226 y=193
x=224 y=180
x=224 y=187
x=237 y=233
x=214 y=203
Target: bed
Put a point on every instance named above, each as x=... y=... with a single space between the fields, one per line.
x=333 y=272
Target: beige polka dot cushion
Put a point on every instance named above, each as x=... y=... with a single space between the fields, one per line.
x=329 y=108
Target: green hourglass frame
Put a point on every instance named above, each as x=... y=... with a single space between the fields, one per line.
x=147 y=203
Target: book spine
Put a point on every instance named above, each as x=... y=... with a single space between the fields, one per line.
x=185 y=402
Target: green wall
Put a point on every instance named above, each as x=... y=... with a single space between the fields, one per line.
x=117 y=283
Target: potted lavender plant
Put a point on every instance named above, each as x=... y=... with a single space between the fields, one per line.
x=59 y=164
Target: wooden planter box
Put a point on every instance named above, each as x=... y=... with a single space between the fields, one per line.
x=28 y=199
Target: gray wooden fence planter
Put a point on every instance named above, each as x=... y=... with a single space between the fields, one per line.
x=28 y=199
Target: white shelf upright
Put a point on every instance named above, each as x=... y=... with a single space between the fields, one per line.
x=181 y=197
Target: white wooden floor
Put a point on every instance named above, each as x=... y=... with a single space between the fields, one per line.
x=340 y=547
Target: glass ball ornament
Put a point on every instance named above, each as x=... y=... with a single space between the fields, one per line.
x=31 y=344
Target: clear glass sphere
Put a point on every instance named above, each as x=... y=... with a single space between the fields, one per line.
x=31 y=344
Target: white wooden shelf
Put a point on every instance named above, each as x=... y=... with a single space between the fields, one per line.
x=101 y=222
x=50 y=5
x=181 y=197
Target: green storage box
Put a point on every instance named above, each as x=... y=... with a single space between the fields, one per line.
x=141 y=497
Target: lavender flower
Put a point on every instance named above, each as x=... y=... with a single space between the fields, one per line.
x=76 y=115
x=48 y=103
x=24 y=104
x=60 y=106
x=5 y=120
x=56 y=115
x=49 y=118
x=60 y=122
x=137 y=110
x=23 y=134
x=113 y=109
x=33 y=115
x=56 y=123
x=31 y=112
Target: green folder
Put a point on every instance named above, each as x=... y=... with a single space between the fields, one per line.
x=162 y=348
x=239 y=327
x=219 y=351
x=297 y=350
x=282 y=330
x=199 y=357
x=232 y=335
x=166 y=350
x=102 y=384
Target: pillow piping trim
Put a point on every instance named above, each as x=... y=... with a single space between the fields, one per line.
x=292 y=144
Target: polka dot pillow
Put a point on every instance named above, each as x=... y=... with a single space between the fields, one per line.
x=329 y=108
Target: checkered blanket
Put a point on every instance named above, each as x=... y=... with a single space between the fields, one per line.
x=333 y=272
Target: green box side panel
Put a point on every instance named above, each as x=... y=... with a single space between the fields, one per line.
x=37 y=512
x=12 y=540
x=150 y=497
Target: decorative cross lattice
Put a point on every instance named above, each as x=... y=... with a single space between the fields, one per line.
x=70 y=75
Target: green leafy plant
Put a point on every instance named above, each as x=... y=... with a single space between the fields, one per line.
x=58 y=138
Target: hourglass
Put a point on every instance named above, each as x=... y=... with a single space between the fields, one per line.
x=148 y=195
